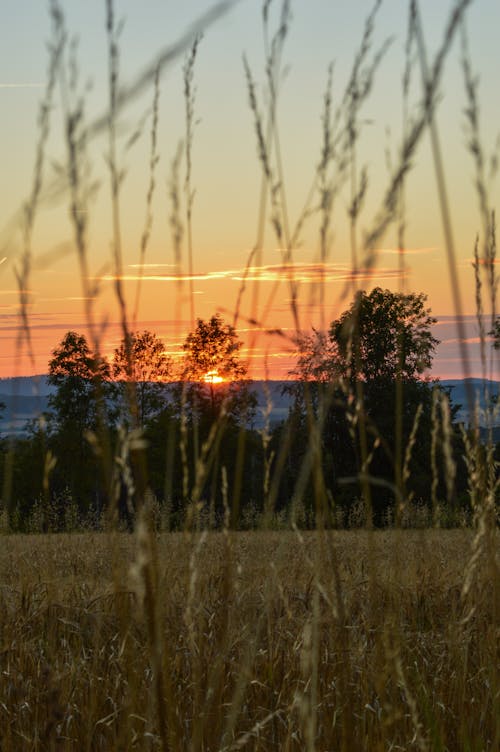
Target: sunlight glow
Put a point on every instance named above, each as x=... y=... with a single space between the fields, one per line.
x=212 y=377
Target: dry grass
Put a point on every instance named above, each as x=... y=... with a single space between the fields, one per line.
x=351 y=640
x=358 y=640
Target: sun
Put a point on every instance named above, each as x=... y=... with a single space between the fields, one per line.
x=212 y=377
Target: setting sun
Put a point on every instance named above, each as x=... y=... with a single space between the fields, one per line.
x=212 y=377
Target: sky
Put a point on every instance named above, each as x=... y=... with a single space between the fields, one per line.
x=226 y=175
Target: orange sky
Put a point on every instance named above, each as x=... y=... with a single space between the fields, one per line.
x=226 y=179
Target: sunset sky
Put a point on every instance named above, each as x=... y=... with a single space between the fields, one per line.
x=226 y=173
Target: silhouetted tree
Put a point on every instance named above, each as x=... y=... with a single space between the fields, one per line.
x=214 y=393
x=142 y=368
x=214 y=373
x=78 y=376
x=212 y=352
x=79 y=404
x=384 y=335
x=495 y=334
x=377 y=349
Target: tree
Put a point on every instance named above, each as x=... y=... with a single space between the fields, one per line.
x=215 y=393
x=26 y=474
x=384 y=335
x=495 y=333
x=212 y=352
x=142 y=367
x=213 y=368
x=79 y=404
x=377 y=349
x=315 y=357
x=78 y=376
x=2 y=409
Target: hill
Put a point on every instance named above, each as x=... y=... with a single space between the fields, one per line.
x=26 y=397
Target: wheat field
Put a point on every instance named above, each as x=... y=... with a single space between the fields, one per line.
x=348 y=640
x=223 y=639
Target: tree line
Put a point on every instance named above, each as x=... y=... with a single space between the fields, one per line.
x=366 y=435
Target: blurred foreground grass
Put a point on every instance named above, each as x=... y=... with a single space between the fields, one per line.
x=261 y=641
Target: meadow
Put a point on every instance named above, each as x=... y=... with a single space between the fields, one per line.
x=257 y=641
x=194 y=632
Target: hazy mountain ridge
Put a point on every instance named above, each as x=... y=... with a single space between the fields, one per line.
x=26 y=397
x=25 y=386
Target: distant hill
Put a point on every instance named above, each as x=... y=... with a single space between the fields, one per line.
x=26 y=397
x=482 y=393
x=26 y=386
x=271 y=392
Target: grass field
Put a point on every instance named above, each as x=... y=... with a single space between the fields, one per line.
x=345 y=640
x=258 y=641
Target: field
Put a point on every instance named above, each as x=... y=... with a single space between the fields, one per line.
x=351 y=640
x=229 y=617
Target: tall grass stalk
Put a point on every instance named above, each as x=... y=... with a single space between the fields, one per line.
x=215 y=639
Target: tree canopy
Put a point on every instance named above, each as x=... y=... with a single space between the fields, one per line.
x=382 y=335
x=143 y=358
x=212 y=350
x=142 y=367
x=76 y=373
x=392 y=332
x=78 y=405
x=72 y=358
x=495 y=334
x=215 y=373
x=382 y=338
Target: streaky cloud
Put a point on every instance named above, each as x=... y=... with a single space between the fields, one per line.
x=34 y=85
x=466 y=340
x=308 y=273
x=151 y=266
x=408 y=251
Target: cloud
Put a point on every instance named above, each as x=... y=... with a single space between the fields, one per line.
x=482 y=261
x=306 y=273
x=152 y=266
x=312 y=273
x=452 y=318
x=168 y=277
x=408 y=251
x=70 y=298
x=466 y=340
x=470 y=261
x=28 y=85
x=17 y=292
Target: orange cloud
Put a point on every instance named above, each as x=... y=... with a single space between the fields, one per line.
x=152 y=266
x=16 y=292
x=312 y=273
x=408 y=251
x=307 y=273
x=169 y=277
x=466 y=340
